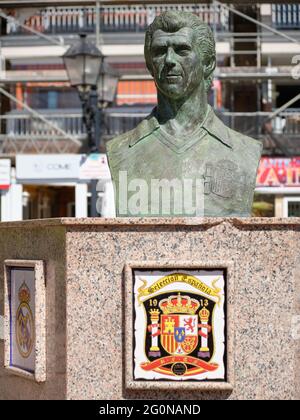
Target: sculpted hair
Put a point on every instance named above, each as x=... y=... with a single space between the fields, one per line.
x=172 y=21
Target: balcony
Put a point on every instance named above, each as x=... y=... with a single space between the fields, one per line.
x=18 y=124
x=20 y=131
x=68 y=20
x=21 y=125
x=255 y=124
x=286 y=16
x=280 y=136
x=136 y=18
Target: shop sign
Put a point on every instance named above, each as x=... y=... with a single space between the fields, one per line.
x=33 y=167
x=94 y=166
x=279 y=172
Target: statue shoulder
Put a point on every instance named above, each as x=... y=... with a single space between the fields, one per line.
x=244 y=147
x=250 y=147
x=120 y=142
x=118 y=148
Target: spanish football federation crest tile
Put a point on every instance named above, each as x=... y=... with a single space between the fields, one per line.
x=179 y=325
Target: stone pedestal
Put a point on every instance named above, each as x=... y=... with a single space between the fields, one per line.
x=85 y=263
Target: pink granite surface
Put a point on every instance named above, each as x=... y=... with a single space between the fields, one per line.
x=85 y=262
x=47 y=244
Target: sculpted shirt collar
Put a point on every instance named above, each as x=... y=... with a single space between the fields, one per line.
x=211 y=124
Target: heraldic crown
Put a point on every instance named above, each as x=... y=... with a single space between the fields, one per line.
x=179 y=304
x=154 y=313
x=24 y=293
x=204 y=315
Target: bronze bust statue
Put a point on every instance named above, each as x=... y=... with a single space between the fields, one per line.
x=182 y=160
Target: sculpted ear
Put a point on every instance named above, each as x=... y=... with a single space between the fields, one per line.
x=208 y=73
x=209 y=67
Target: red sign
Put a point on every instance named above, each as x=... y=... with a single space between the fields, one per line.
x=4 y=174
x=279 y=172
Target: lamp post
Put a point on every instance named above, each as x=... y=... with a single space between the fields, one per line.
x=96 y=83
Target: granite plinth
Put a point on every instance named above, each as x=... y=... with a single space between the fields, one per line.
x=85 y=262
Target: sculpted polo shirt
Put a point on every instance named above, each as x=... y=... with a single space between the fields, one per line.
x=212 y=173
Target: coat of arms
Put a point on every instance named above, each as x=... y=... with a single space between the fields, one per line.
x=25 y=335
x=181 y=336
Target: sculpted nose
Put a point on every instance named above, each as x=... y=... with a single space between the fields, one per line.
x=170 y=57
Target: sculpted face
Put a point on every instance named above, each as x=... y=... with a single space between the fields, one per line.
x=177 y=64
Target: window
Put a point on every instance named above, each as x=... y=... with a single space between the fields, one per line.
x=52 y=98
x=294 y=209
x=291 y=207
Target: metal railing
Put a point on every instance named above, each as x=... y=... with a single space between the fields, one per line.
x=136 y=18
x=256 y=124
x=118 y=123
x=286 y=16
x=19 y=125
x=287 y=123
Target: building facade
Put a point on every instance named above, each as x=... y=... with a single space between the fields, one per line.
x=254 y=91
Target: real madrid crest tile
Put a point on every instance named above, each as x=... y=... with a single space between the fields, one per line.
x=25 y=318
x=178 y=325
x=22 y=309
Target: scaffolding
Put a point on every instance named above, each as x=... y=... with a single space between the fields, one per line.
x=98 y=17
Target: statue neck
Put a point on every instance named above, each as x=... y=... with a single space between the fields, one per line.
x=182 y=116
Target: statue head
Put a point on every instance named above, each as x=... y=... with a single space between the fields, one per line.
x=180 y=53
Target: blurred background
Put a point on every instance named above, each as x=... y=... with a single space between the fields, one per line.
x=49 y=157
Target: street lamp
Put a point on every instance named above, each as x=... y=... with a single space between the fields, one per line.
x=96 y=83
x=83 y=61
x=107 y=84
